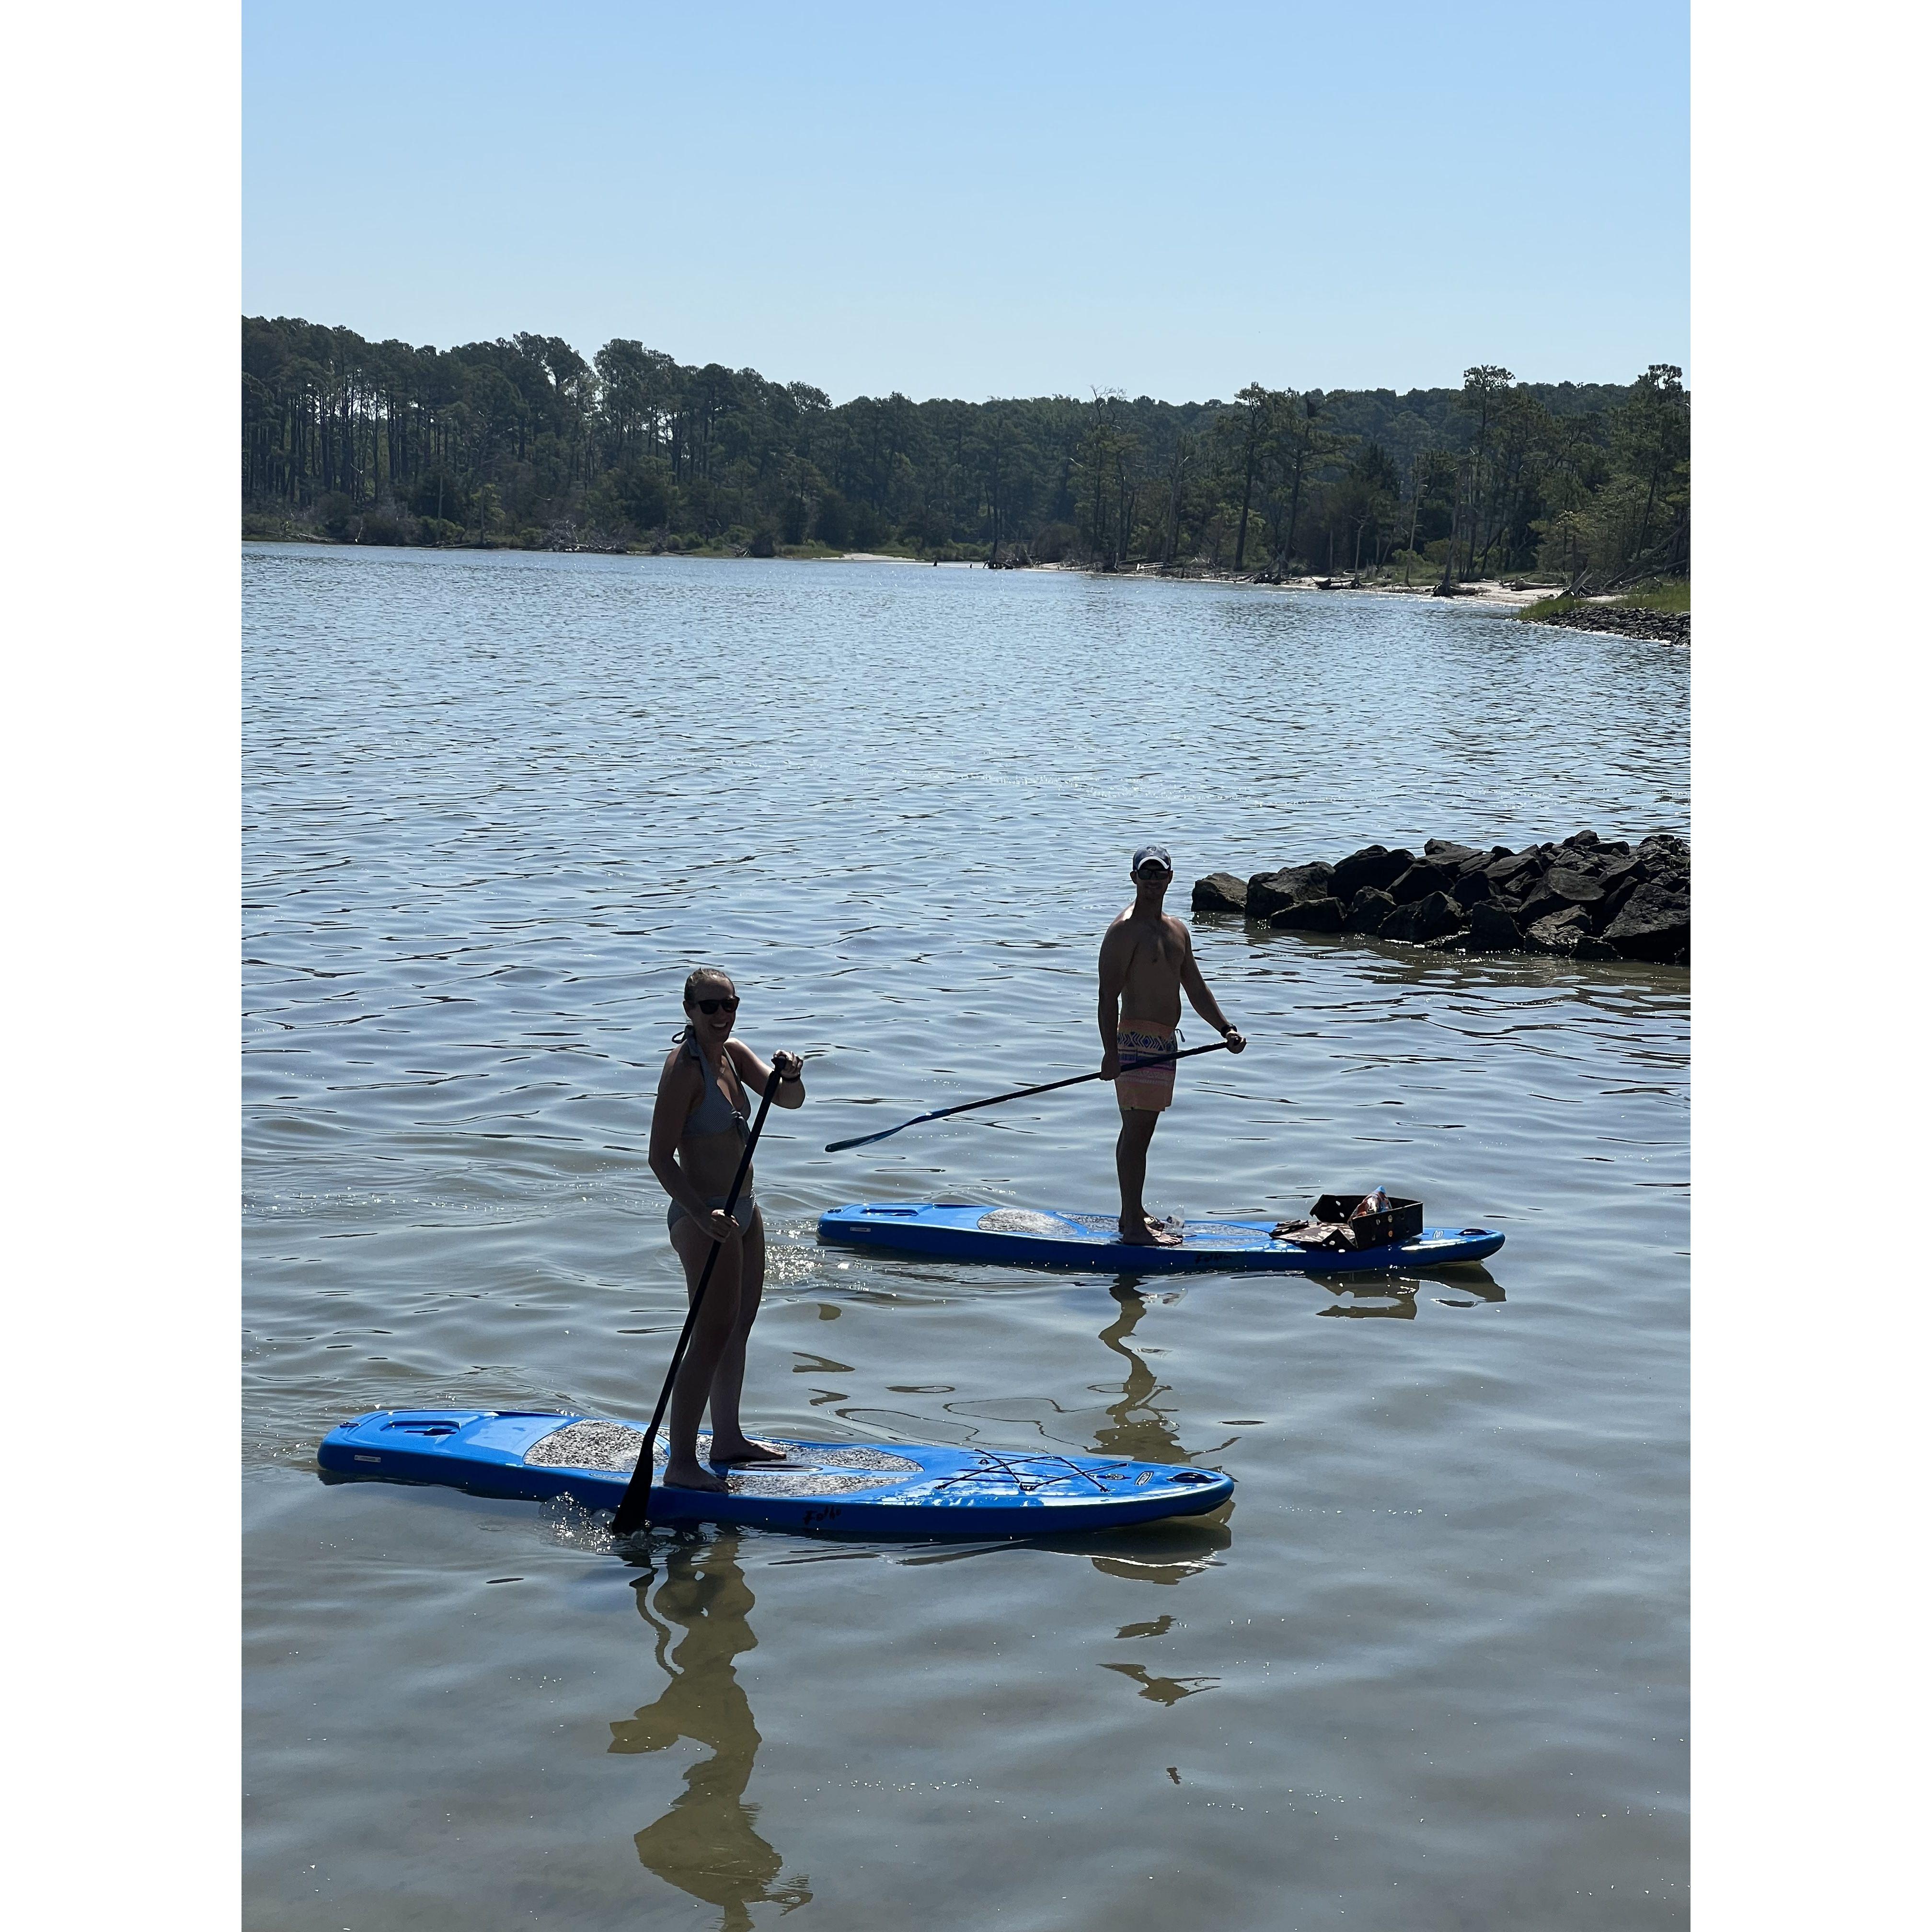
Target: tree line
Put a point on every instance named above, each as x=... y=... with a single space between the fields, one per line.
x=521 y=441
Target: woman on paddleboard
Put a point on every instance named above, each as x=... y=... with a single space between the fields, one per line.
x=699 y=1130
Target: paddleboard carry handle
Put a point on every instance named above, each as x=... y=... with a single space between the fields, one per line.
x=633 y=1511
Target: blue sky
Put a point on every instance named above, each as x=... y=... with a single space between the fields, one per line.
x=986 y=200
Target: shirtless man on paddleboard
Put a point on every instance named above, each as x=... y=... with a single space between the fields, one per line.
x=1146 y=960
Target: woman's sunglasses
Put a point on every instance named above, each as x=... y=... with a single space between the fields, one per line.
x=730 y=1004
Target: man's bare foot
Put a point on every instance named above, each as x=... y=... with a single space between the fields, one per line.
x=746 y=1451
x=679 y=1474
x=1146 y=1234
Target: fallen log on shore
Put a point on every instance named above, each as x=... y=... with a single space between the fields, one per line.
x=1584 y=898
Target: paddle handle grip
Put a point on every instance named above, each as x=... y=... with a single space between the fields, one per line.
x=633 y=1510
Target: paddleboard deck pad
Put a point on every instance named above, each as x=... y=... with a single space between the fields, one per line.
x=855 y=1489
x=1040 y=1237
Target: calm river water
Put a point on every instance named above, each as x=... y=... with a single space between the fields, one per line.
x=1431 y=1670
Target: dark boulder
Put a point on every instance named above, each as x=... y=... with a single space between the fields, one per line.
x=1492 y=930
x=1368 y=911
x=1666 y=848
x=1472 y=888
x=1582 y=842
x=1592 y=863
x=1309 y=916
x=1219 y=892
x=1573 y=885
x=1421 y=879
x=1591 y=947
x=1517 y=894
x=1559 y=931
x=1512 y=873
x=1423 y=918
x=1562 y=887
x=1618 y=883
x=1655 y=921
x=1374 y=866
x=1446 y=852
x=1271 y=893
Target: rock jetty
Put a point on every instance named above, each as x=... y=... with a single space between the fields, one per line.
x=1585 y=898
x=1662 y=627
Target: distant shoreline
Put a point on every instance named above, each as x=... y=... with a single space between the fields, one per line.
x=1603 y=617
x=1488 y=590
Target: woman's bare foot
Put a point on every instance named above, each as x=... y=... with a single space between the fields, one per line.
x=1145 y=1234
x=679 y=1474
x=746 y=1451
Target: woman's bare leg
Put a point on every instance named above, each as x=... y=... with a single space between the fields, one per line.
x=729 y=1442
x=717 y=1322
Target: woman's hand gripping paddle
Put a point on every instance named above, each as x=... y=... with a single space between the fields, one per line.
x=634 y=1512
x=1022 y=1092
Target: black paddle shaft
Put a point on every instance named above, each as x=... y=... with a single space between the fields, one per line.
x=634 y=1512
x=1023 y=1093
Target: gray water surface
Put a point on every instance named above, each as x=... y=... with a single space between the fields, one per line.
x=1429 y=1671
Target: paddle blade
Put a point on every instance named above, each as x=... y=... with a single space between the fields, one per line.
x=866 y=1140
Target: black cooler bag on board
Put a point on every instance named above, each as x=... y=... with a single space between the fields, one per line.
x=1333 y=1223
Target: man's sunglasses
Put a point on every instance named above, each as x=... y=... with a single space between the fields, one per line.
x=730 y=1004
x=1151 y=872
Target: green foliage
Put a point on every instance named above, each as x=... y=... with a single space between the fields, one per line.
x=1666 y=597
x=833 y=523
x=1548 y=606
x=521 y=441
x=1673 y=596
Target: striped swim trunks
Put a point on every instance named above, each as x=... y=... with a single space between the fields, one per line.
x=1148 y=1088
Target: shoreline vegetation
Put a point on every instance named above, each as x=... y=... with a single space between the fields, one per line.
x=1662 y=614
x=1497 y=488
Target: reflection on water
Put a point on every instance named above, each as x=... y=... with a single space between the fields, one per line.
x=1162 y=1552
x=1394 y=1295
x=1395 y=1301
x=1163 y=1690
x=707 y=1844
x=1135 y=1427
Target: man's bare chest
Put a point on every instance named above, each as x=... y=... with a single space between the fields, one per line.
x=1155 y=955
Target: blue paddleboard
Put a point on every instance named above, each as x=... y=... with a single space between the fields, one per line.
x=854 y=1489
x=1040 y=1237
